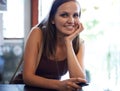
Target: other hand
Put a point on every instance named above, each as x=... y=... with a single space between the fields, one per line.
x=78 y=28
x=70 y=84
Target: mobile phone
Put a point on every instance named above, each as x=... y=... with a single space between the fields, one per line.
x=82 y=84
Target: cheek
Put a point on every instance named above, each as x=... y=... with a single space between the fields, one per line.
x=59 y=23
x=77 y=20
x=59 y=26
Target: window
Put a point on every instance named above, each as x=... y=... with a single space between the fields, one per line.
x=44 y=6
x=101 y=34
x=11 y=37
x=12 y=19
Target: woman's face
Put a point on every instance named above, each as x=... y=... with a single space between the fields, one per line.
x=67 y=17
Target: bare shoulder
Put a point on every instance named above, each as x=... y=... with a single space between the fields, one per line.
x=35 y=36
x=36 y=32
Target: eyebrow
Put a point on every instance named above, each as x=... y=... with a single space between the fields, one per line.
x=68 y=12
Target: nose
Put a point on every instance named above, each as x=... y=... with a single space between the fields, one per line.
x=71 y=20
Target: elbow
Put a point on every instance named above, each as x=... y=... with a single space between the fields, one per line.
x=83 y=76
x=26 y=79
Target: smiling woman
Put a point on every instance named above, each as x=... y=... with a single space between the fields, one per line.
x=57 y=40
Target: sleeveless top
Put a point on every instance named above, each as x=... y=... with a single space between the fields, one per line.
x=51 y=69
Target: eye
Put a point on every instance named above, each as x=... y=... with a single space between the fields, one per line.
x=76 y=15
x=64 y=15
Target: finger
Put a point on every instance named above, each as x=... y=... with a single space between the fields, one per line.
x=76 y=80
x=76 y=86
x=73 y=86
x=73 y=79
x=80 y=28
x=69 y=88
x=81 y=80
x=76 y=26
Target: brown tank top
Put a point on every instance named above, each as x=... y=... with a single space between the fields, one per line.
x=51 y=69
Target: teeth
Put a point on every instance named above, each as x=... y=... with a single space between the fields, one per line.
x=69 y=26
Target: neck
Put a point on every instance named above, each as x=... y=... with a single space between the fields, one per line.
x=60 y=39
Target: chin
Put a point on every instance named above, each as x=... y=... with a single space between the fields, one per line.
x=67 y=34
x=70 y=32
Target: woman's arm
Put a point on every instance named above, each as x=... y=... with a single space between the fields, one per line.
x=75 y=62
x=32 y=49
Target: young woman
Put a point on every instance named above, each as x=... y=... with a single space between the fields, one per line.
x=57 y=40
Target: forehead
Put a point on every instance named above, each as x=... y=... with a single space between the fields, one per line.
x=70 y=6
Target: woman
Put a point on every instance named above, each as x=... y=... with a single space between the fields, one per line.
x=57 y=40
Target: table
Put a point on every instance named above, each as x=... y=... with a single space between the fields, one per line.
x=20 y=87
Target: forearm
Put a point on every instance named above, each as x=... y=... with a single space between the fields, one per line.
x=41 y=82
x=74 y=67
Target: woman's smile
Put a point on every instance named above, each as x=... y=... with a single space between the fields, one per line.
x=69 y=27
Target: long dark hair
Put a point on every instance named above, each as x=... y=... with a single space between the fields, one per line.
x=50 y=33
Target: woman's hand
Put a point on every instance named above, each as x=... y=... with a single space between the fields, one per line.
x=78 y=28
x=70 y=84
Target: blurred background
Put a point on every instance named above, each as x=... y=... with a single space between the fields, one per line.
x=101 y=34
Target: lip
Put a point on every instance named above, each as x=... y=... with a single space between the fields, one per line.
x=70 y=27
